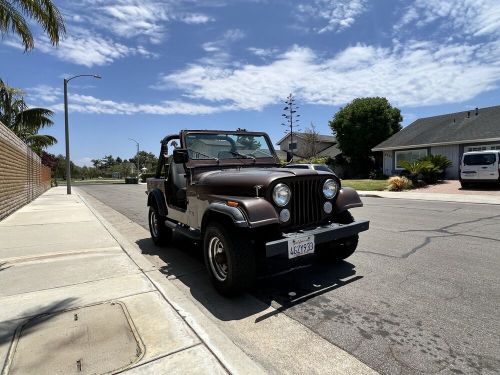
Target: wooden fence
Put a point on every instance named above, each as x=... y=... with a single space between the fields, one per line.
x=22 y=175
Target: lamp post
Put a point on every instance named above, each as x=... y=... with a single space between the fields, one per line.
x=66 y=127
x=138 y=171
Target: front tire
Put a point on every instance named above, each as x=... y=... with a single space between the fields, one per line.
x=229 y=258
x=464 y=185
x=160 y=234
x=338 y=250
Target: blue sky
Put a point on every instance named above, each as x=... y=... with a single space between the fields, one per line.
x=171 y=65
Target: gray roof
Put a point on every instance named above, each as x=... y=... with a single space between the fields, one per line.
x=321 y=137
x=453 y=128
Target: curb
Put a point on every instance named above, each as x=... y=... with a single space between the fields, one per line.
x=369 y=195
x=231 y=357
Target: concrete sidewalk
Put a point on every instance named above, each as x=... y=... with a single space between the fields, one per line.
x=482 y=199
x=75 y=299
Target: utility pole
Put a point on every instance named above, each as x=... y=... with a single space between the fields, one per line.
x=289 y=112
x=138 y=171
x=66 y=128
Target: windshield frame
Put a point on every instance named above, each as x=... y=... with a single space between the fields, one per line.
x=272 y=159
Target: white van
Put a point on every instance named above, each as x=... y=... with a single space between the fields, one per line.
x=480 y=166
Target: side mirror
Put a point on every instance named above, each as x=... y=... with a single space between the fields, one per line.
x=289 y=156
x=180 y=156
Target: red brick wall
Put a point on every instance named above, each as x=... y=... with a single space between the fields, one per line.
x=22 y=176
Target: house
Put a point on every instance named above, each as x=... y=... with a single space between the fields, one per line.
x=450 y=135
x=306 y=146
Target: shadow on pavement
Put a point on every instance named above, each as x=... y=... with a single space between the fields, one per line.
x=276 y=286
x=8 y=328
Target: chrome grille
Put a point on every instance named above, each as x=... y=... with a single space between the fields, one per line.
x=305 y=205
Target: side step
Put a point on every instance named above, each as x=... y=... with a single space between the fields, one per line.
x=191 y=233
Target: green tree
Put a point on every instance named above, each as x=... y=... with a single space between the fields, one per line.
x=146 y=159
x=361 y=125
x=248 y=142
x=23 y=121
x=13 y=14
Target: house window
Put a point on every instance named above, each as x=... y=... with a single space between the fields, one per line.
x=482 y=148
x=408 y=155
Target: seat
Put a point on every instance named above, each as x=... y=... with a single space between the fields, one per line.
x=178 y=176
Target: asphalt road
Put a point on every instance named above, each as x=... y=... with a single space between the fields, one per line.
x=420 y=295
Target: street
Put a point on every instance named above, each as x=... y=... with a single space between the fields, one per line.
x=420 y=295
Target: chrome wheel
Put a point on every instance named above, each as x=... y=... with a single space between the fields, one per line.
x=153 y=224
x=217 y=258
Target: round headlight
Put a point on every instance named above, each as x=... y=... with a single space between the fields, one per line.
x=281 y=195
x=330 y=188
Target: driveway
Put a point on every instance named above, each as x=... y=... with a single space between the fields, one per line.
x=453 y=187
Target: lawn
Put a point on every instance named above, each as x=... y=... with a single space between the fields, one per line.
x=365 y=184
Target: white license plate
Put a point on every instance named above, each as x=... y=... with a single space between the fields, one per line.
x=300 y=246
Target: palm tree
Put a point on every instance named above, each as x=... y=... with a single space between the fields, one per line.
x=25 y=122
x=12 y=19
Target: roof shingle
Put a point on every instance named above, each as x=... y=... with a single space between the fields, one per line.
x=449 y=128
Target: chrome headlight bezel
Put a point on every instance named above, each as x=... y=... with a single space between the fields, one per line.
x=330 y=188
x=281 y=195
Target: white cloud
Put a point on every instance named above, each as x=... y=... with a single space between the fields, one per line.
x=419 y=73
x=218 y=50
x=195 y=18
x=134 y=18
x=466 y=17
x=263 y=52
x=44 y=93
x=51 y=97
x=88 y=50
x=338 y=14
x=86 y=161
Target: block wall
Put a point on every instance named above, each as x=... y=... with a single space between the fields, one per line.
x=22 y=175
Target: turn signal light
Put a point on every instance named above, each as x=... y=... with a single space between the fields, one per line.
x=232 y=204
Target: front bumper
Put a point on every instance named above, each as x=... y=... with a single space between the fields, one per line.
x=326 y=233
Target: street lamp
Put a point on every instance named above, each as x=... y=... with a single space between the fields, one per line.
x=66 y=128
x=138 y=170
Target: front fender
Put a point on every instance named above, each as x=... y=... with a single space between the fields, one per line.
x=256 y=211
x=157 y=197
x=347 y=198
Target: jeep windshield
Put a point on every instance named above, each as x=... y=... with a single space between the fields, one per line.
x=220 y=146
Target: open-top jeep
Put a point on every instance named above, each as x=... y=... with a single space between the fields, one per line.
x=228 y=190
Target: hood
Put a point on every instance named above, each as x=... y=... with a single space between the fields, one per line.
x=242 y=181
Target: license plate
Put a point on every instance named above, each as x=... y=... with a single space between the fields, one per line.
x=300 y=246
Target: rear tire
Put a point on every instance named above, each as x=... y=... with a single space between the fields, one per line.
x=464 y=185
x=338 y=250
x=160 y=234
x=229 y=258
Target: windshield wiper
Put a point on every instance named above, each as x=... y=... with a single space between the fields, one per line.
x=208 y=156
x=236 y=153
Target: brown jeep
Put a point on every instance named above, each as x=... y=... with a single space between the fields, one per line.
x=227 y=189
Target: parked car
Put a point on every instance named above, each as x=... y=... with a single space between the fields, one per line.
x=226 y=189
x=480 y=166
x=315 y=167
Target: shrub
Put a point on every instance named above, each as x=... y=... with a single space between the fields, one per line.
x=377 y=174
x=399 y=183
x=429 y=169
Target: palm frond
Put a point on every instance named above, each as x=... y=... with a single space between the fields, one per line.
x=47 y=15
x=33 y=119
x=39 y=142
x=11 y=19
